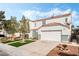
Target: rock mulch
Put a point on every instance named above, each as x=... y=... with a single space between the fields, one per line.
x=72 y=51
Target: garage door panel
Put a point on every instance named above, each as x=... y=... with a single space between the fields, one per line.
x=51 y=35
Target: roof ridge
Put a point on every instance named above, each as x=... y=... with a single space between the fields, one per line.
x=58 y=16
x=51 y=24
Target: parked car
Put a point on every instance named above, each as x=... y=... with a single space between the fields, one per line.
x=2 y=34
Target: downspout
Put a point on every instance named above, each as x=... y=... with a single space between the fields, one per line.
x=70 y=28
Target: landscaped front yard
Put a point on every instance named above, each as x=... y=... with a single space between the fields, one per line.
x=67 y=50
x=19 y=43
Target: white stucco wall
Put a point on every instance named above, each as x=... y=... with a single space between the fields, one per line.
x=30 y=34
x=38 y=24
x=31 y=24
x=59 y=20
x=65 y=31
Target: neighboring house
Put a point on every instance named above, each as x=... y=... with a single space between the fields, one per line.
x=55 y=28
x=2 y=31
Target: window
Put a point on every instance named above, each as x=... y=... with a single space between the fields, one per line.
x=66 y=20
x=44 y=22
x=64 y=38
x=35 y=25
x=35 y=34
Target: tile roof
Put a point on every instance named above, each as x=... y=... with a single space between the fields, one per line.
x=50 y=24
x=52 y=17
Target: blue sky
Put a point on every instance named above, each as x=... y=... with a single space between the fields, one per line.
x=40 y=10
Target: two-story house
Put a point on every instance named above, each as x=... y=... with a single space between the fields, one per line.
x=55 y=28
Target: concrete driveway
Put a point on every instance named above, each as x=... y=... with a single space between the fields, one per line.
x=38 y=48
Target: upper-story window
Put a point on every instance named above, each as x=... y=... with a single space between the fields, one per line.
x=66 y=21
x=44 y=22
x=35 y=25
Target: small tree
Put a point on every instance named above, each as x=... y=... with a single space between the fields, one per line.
x=78 y=26
x=2 y=16
x=11 y=25
x=24 y=27
x=7 y=25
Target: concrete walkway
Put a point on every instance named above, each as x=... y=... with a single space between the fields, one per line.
x=71 y=43
x=38 y=48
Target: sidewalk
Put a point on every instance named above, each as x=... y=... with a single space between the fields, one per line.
x=71 y=43
x=7 y=48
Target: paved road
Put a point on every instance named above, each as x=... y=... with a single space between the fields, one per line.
x=2 y=53
x=6 y=50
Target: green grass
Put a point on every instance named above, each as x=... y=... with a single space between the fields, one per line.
x=18 y=44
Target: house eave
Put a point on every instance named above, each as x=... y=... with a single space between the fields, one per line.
x=52 y=17
x=51 y=24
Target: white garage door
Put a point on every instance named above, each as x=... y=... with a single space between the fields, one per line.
x=52 y=35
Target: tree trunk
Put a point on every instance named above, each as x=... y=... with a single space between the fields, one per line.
x=23 y=37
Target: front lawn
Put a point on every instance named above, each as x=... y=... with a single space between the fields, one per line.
x=19 y=43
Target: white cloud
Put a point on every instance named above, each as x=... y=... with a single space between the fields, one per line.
x=31 y=14
x=36 y=14
x=67 y=11
x=75 y=18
